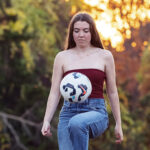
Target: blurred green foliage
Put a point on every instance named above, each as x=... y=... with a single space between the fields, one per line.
x=143 y=74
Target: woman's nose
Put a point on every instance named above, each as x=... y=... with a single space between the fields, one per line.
x=81 y=33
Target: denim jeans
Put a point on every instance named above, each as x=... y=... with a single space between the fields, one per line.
x=80 y=121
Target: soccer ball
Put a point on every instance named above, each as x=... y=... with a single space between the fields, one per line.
x=75 y=87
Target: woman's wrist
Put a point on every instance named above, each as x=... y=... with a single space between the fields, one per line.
x=46 y=121
x=118 y=123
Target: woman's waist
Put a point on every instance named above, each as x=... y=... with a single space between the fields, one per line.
x=93 y=101
x=90 y=104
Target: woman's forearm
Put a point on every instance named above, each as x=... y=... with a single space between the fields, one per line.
x=52 y=103
x=115 y=106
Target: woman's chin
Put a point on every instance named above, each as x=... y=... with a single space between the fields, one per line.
x=82 y=45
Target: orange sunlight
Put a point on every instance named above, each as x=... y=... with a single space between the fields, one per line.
x=112 y=26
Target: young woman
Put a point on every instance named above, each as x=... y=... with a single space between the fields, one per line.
x=80 y=121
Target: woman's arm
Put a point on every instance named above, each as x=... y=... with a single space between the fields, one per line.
x=54 y=95
x=112 y=93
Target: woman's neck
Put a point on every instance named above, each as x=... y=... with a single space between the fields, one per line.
x=83 y=49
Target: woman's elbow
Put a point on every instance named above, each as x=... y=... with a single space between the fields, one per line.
x=111 y=91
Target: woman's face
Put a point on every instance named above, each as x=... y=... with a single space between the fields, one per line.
x=81 y=33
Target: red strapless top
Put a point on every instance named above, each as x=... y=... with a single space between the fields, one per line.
x=96 y=77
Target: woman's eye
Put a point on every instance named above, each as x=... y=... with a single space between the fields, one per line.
x=76 y=31
x=86 y=31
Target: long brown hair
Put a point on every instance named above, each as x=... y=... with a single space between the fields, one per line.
x=83 y=16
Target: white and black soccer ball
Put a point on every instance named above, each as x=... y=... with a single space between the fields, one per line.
x=75 y=87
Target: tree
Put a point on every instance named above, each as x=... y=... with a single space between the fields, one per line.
x=143 y=75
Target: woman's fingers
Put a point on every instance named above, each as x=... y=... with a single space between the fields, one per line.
x=46 y=133
x=118 y=134
x=49 y=133
x=119 y=138
x=46 y=129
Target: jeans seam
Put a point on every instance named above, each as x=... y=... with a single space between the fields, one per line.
x=101 y=120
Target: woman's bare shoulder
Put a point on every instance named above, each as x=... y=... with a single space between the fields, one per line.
x=106 y=53
x=64 y=53
x=61 y=54
x=108 y=57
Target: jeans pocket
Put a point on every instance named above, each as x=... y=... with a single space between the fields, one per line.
x=97 y=128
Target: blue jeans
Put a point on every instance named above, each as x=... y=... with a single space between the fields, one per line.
x=80 y=121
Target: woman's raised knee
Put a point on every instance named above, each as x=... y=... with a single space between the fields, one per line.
x=76 y=123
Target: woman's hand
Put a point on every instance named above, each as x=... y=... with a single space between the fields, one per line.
x=46 y=129
x=118 y=134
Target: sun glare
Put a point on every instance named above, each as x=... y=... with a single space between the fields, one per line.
x=92 y=2
x=108 y=32
x=112 y=26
